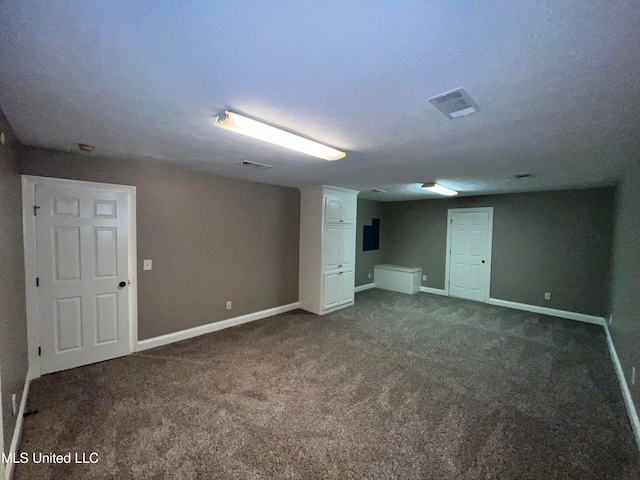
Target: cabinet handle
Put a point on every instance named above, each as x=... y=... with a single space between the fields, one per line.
x=342 y=221
x=340 y=273
x=340 y=266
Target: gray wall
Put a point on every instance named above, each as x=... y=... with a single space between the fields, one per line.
x=13 y=324
x=365 y=261
x=211 y=239
x=625 y=285
x=557 y=242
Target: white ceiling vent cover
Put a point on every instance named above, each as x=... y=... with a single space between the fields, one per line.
x=454 y=104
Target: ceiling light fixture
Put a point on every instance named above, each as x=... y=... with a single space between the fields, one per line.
x=435 y=188
x=253 y=128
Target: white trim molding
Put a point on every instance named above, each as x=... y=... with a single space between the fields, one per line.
x=31 y=259
x=626 y=394
x=434 y=291
x=581 y=317
x=362 y=288
x=17 y=432
x=213 y=327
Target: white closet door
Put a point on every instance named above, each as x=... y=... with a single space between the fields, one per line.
x=469 y=253
x=82 y=245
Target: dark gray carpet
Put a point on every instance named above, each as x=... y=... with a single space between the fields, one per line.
x=398 y=386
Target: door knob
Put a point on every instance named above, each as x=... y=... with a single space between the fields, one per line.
x=122 y=284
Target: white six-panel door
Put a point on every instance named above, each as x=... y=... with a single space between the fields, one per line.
x=470 y=254
x=82 y=267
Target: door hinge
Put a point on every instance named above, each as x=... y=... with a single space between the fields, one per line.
x=35 y=210
x=37 y=281
x=39 y=351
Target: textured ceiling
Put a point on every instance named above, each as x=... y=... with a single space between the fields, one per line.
x=558 y=84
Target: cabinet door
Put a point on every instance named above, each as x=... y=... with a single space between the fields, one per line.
x=331 y=290
x=349 y=211
x=332 y=210
x=331 y=247
x=347 y=246
x=347 y=287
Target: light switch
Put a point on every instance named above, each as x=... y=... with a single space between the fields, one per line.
x=146 y=265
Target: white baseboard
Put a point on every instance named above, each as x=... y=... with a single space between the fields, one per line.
x=17 y=432
x=435 y=291
x=581 y=317
x=367 y=286
x=212 y=327
x=626 y=394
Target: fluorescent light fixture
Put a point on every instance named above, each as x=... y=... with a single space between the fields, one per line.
x=435 y=188
x=253 y=128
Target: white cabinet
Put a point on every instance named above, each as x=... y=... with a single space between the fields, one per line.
x=347 y=287
x=331 y=253
x=327 y=248
x=331 y=286
x=338 y=289
x=338 y=209
x=332 y=210
x=349 y=210
x=338 y=245
x=347 y=247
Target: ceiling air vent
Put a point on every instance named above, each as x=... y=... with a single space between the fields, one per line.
x=248 y=163
x=456 y=103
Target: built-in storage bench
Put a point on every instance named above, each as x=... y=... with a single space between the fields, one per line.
x=397 y=279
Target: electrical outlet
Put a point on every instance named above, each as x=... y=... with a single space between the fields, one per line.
x=146 y=265
x=547 y=296
x=369 y=275
x=633 y=375
x=14 y=404
x=424 y=278
x=229 y=305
